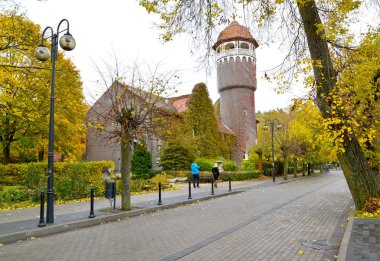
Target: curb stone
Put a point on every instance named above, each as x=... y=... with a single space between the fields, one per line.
x=342 y=254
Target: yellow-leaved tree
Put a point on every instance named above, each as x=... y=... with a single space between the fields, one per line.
x=24 y=96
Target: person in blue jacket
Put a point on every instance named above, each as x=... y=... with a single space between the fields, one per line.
x=195 y=171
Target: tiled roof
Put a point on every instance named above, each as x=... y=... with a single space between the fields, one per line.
x=223 y=128
x=180 y=102
x=235 y=31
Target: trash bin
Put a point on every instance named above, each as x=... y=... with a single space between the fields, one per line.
x=110 y=190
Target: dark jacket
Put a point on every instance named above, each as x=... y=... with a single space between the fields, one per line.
x=215 y=172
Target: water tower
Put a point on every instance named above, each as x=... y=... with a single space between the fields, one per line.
x=236 y=75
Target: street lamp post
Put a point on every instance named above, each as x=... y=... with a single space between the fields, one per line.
x=67 y=42
x=272 y=122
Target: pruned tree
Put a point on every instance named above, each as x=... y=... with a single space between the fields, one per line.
x=316 y=34
x=126 y=112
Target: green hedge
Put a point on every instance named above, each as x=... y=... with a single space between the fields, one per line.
x=225 y=175
x=206 y=164
x=72 y=180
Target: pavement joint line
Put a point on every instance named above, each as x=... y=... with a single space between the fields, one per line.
x=197 y=246
x=59 y=228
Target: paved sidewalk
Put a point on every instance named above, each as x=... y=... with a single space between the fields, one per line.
x=269 y=221
x=21 y=224
x=265 y=222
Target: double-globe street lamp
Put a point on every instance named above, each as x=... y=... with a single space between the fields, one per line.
x=67 y=42
x=278 y=126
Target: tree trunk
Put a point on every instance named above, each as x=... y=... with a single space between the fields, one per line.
x=303 y=169
x=125 y=170
x=360 y=179
x=6 y=139
x=239 y=156
x=6 y=151
x=285 y=167
x=295 y=174
x=41 y=153
x=260 y=163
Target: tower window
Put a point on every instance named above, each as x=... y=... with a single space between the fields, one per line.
x=230 y=46
x=244 y=46
x=245 y=112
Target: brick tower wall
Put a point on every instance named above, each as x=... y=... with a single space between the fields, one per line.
x=236 y=84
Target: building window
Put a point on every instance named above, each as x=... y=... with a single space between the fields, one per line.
x=244 y=46
x=245 y=112
x=229 y=46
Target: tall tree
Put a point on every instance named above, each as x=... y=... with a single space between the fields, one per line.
x=135 y=111
x=201 y=121
x=24 y=89
x=316 y=31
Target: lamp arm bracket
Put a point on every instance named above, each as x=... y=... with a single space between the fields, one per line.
x=43 y=34
x=68 y=26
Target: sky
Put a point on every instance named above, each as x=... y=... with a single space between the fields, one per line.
x=122 y=26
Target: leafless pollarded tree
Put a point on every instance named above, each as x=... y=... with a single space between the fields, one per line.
x=129 y=111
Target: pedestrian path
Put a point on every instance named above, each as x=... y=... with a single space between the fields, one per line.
x=21 y=224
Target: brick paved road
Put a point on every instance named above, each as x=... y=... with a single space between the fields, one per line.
x=261 y=224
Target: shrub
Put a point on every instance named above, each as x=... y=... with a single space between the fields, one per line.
x=251 y=163
x=13 y=194
x=154 y=172
x=206 y=164
x=229 y=165
x=161 y=178
x=179 y=174
x=239 y=175
x=72 y=180
x=9 y=175
x=141 y=161
x=226 y=175
x=139 y=185
x=176 y=157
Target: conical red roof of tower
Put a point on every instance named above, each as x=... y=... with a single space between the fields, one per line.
x=235 y=31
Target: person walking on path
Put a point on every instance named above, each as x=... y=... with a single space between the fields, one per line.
x=215 y=173
x=195 y=172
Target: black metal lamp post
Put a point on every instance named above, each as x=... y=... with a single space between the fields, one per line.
x=67 y=42
x=272 y=122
